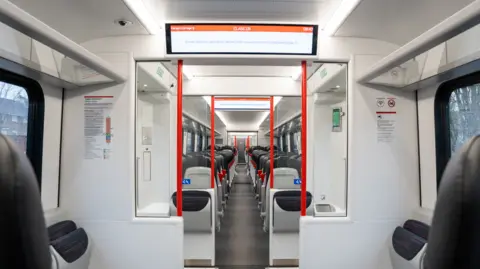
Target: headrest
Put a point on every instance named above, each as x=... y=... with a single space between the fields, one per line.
x=454 y=240
x=23 y=235
x=197 y=178
x=286 y=178
x=281 y=161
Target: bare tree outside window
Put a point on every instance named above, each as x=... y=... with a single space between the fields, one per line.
x=14 y=113
x=464 y=112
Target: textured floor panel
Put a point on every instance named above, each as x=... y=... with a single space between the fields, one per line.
x=241 y=242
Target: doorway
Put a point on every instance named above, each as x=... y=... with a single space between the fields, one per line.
x=241 y=150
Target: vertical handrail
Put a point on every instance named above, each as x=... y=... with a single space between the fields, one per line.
x=272 y=118
x=303 y=198
x=179 y=137
x=212 y=142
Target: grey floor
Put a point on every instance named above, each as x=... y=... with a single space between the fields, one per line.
x=241 y=242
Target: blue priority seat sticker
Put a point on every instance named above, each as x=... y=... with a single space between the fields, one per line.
x=186 y=181
x=297 y=181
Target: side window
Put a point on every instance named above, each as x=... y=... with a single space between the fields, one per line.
x=21 y=116
x=284 y=143
x=463 y=115
x=293 y=142
x=200 y=143
x=13 y=109
x=189 y=142
x=457 y=117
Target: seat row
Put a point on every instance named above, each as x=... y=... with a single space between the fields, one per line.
x=203 y=204
x=280 y=202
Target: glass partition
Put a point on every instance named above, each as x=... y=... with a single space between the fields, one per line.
x=328 y=143
x=154 y=143
x=287 y=122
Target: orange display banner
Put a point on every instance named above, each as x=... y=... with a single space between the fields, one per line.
x=241 y=28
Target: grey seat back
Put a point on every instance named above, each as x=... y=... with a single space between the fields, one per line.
x=454 y=239
x=23 y=235
x=286 y=178
x=197 y=178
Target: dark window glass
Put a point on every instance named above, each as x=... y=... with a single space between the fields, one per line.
x=21 y=116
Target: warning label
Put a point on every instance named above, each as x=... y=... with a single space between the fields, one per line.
x=386 y=121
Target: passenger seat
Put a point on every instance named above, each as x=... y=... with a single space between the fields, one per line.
x=69 y=246
x=23 y=234
x=454 y=238
x=408 y=244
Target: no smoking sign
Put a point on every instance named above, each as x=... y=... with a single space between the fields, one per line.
x=391 y=102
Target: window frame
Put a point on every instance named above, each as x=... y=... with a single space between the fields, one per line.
x=443 y=149
x=36 y=114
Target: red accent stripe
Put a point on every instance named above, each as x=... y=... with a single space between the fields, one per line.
x=212 y=142
x=386 y=112
x=272 y=119
x=179 y=137
x=303 y=198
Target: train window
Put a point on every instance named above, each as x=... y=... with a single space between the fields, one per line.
x=464 y=115
x=296 y=142
x=284 y=143
x=21 y=116
x=457 y=108
x=200 y=143
x=293 y=143
x=14 y=114
x=190 y=142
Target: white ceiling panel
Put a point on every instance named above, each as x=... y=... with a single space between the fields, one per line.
x=286 y=108
x=398 y=21
x=299 y=11
x=243 y=120
x=83 y=20
x=198 y=107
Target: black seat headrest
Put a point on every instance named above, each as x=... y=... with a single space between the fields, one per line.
x=23 y=235
x=454 y=240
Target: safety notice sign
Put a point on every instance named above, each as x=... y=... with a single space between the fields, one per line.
x=97 y=128
x=386 y=121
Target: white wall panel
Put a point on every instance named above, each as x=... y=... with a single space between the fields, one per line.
x=51 y=146
x=100 y=193
x=428 y=165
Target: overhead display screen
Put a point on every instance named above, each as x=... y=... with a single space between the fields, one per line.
x=241 y=39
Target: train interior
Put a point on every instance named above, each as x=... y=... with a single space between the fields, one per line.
x=210 y=134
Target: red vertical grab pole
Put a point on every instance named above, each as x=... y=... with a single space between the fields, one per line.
x=303 y=198
x=235 y=141
x=272 y=119
x=179 y=137
x=212 y=142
